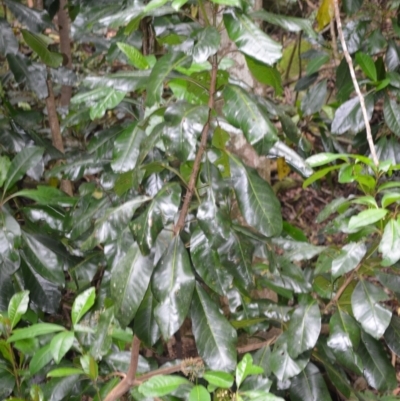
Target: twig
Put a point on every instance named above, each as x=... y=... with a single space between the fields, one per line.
x=334 y=43
x=125 y=384
x=355 y=83
x=203 y=142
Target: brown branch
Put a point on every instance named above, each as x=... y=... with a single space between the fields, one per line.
x=203 y=142
x=355 y=83
x=125 y=384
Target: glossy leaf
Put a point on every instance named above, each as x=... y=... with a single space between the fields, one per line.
x=246 y=368
x=344 y=332
x=392 y=335
x=374 y=318
x=172 y=285
x=378 y=371
x=366 y=218
x=207 y=44
x=127 y=148
x=265 y=74
x=134 y=56
x=350 y=256
x=320 y=159
x=129 y=281
x=242 y=111
x=215 y=337
x=111 y=99
x=199 y=393
x=21 y=163
x=390 y=243
x=48 y=196
x=257 y=201
x=36 y=330
x=219 y=379
x=102 y=341
x=8 y=42
x=304 y=328
x=160 y=385
x=391 y=112
x=108 y=227
x=60 y=344
x=40 y=359
x=249 y=39
x=17 y=307
x=82 y=303
x=348 y=116
x=309 y=385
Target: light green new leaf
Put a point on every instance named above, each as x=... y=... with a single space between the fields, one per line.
x=241 y=110
x=160 y=385
x=199 y=393
x=367 y=64
x=82 y=303
x=344 y=332
x=64 y=372
x=40 y=359
x=250 y=39
x=257 y=201
x=321 y=159
x=135 y=57
x=219 y=378
x=207 y=44
x=172 y=285
x=304 y=328
x=246 y=368
x=36 y=43
x=127 y=148
x=60 y=344
x=22 y=162
x=159 y=74
x=374 y=318
x=230 y=3
x=110 y=100
x=129 y=281
x=309 y=385
x=349 y=258
x=349 y=117
x=17 y=306
x=389 y=198
x=390 y=243
x=378 y=371
x=115 y=219
x=391 y=112
x=34 y=331
x=366 y=217
x=215 y=337
x=47 y=196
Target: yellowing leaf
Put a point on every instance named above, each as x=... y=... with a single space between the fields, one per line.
x=325 y=13
x=283 y=168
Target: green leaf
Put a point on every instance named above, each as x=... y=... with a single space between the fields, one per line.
x=230 y=3
x=89 y=366
x=22 y=162
x=373 y=317
x=5 y=164
x=60 y=344
x=389 y=198
x=349 y=117
x=321 y=159
x=82 y=303
x=250 y=39
x=184 y=122
x=390 y=243
x=304 y=328
x=159 y=74
x=351 y=255
x=246 y=368
x=172 y=285
x=207 y=44
x=241 y=110
x=309 y=385
x=199 y=393
x=160 y=212
x=219 y=379
x=34 y=331
x=36 y=43
x=111 y=99
x=40 y=359
x=282 y=365
x=367 y=217
x=317 y=62
x=215 y=337
x=160 y=385
x=265 y=74
x=47 y=196
x=129 y=281
x=314 y=98
x=320 y=174
x=64 y=372
x=352 y=6
x=17 y=307
x=344 y=332
x=367 y=64
x=257 y=201
x=391 y=112
x=378 y=370
x=102 y=341
x=153 y=4
x=135 y=57
x=392 y=335
x=108 y=227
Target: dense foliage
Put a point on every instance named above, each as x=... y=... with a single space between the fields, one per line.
x=152 y=217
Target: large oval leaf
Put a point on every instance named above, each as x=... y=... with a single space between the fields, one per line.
x=215 y=337
x=390 y=243
x=257 y=201
x=349 y=258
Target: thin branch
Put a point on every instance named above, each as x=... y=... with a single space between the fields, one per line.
x=203 y=142
x=355 y=83
x=125 y=384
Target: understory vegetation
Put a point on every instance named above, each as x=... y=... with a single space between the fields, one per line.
x=199 y=200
